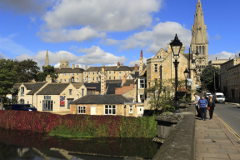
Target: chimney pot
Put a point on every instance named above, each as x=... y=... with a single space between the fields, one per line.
x=73 y=66
x=85 y=67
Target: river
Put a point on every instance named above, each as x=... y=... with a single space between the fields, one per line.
x=24 y=145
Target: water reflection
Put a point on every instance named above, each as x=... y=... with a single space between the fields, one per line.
x=15 y=145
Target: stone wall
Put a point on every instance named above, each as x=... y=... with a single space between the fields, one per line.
x=180 y=144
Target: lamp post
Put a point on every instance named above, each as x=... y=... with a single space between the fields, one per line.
x=176 y=47
x=186 y=74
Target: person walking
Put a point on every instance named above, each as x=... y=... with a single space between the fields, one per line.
x=202 y=106
x=211 y=104
x=196 y=104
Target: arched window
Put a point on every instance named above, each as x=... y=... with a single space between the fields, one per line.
x=196 y=49
x=21 y=101
x=200 y=50
x=203 y=50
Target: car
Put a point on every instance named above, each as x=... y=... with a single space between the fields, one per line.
x=22 y=107
x=219 y=97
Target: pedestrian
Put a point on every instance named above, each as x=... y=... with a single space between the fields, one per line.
x=202 y=106
x=211 y=104
x=196 y=104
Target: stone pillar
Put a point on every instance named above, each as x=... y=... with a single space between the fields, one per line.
x=141 y=62
x=103 y=81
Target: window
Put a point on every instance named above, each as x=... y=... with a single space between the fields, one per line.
x=114 y=77
x=130 y=109
x=155 y=66
x=85 y=73
x=89 y=73
x=97 y=78
x=109 y=77
x=77 y=79
x=73 y=74
x=142 y=83
x=119 y=77
x=64 y=74
x=110 y=109
x=119 y=72
x=93 y=78
x=70 y=91
x=68 y=80
x=85 y=79
x=27 y=102
x=22 y=91
x=60 y=74
x=89 y=79
x=64 y=80
x=109 y=72
x=60 y=80
x=81 y=109
x=77 y=74
x=69 y=74
x=82 y=92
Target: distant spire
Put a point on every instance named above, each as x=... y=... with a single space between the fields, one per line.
x=47 y=59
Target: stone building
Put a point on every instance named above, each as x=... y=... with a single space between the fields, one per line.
x=217 y=63
x=230 y=75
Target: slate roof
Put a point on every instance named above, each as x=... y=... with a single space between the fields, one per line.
x=35 y=88
x=16 y=86
x=128 y=82
x=29 y=86
x=111 y=87
x=77 y=85
x=102 y=99
x=69 y=70
x=110 y=68
x=95 y=85
x=53 y=89
x=114 y=81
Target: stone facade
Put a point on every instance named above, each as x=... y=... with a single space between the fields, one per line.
x=230 y=75
x=217 y=63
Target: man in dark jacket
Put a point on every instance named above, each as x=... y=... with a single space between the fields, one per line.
x=211 y=104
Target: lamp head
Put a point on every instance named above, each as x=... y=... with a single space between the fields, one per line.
x=176 y=47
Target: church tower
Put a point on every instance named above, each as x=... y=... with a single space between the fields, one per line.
x=46 y=60
x=199 y=42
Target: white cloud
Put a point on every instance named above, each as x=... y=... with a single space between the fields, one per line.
x=1 y=55
x=157 y=38
x=95 y=55
x=64 y=35
x=222 y=55
x=132 y=63
x=33 y=19
x=104 y=15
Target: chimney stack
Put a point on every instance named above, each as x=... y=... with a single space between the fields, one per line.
x=77 y=66
x=73 y=66
x=216 y=58
x=85 y=67
x=121 y=64
x=141 y=62
x=136 y=67
x=48 y=79
x=124 y=78
x=118 y=64
x=103 y=81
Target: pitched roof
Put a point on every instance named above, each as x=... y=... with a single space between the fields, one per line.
x=16 y=86
x=77 y=85
x=69 y=70
x=29 y=86
x=53 y=89
x=111 y=87
x=114 y=81
x=128 y=82
x=110 y=68
x=93 y=85
x=102 y=99
x=36 y=87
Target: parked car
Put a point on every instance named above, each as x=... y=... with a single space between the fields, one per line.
x=219 y=97
x=21 y=107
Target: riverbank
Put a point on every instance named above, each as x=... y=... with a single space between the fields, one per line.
x=79 y=125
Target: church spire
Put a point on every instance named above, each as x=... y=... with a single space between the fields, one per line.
x=46 y=60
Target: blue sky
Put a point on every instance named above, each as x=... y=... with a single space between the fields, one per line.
x=96 y=32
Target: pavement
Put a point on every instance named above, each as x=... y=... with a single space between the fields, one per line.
x=213 y=141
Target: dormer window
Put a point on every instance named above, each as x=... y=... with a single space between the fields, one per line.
x=22 y=91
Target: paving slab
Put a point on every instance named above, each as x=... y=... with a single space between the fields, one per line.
x=212 y=142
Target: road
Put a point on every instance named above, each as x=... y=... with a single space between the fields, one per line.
x=230 y=114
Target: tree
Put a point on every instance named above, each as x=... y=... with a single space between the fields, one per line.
x=48 y=70
x=26 y=70
x=7 y=78
x=162 y=94
x=207 y=78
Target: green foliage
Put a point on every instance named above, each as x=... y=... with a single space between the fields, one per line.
x=160 y=97
x=7 y=78
x=207 y=77
x=26 y=70
x=48 y=70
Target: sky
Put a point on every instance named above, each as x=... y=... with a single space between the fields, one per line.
x=97 y=32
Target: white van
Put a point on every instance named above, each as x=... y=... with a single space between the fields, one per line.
x=219 y=97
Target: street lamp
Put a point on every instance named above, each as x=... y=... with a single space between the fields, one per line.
x=176 y=47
